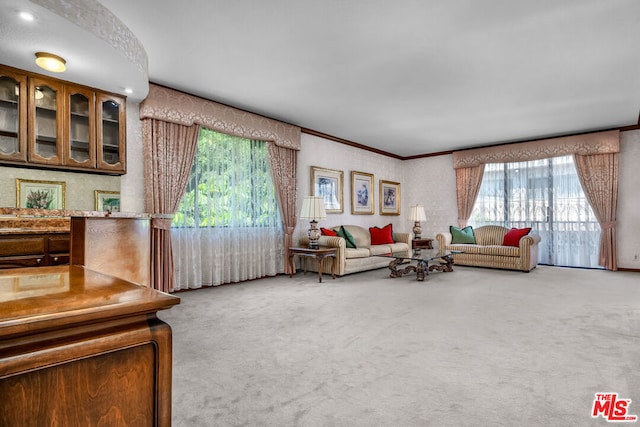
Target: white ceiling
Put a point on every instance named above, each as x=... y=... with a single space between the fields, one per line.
x=407 y=77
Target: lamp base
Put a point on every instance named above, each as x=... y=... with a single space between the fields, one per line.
x=417 y=230
x=314 y=235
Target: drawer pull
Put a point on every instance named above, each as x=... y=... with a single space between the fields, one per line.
x=55 y=259
x=39 y=260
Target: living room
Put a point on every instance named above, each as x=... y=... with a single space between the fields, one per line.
x=357 y=366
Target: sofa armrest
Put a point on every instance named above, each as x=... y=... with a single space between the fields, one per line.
x=402 y=238
x=529 y=240
x=443 y=239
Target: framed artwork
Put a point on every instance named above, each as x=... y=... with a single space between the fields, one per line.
x=361 y=193
x=107 y=201
x=389 y=198
x=327 y=183
x=40 y=194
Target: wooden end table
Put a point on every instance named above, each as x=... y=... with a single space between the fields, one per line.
x=422 y=244
x=318 y=254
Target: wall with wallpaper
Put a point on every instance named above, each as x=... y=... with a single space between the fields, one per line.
x=431 y=182
x=324 y=153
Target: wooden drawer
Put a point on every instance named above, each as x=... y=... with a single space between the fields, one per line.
x=21 y=261
x=32 y=245
x=58 y=259
x=59 y=244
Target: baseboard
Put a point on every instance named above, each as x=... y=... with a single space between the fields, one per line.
x=634 y=270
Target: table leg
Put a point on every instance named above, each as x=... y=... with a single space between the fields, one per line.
x=319 y=259
x=292 y=263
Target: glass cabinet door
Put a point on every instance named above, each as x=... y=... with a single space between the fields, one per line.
x=111 y=132
x=45 y=122
x=13 y=116
x=80 y=149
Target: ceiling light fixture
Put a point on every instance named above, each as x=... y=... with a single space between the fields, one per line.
x=27 y=16
x=50 y=62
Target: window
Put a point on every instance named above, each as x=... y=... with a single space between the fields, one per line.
x=230 y=185
x=547 y=196
x=228 y=227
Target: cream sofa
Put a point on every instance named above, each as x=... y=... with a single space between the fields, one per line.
x=489 y=251
x=362 y=257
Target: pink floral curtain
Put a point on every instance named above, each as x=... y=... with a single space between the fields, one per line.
x=169 y=151
x=468 y=180
x=283 y=170
x=598 y=174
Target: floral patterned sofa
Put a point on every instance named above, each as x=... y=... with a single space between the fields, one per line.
x=489 y=249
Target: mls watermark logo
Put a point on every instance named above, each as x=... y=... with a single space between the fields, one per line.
x=612 y=409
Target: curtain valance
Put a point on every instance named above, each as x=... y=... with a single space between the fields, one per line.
x=176 y=107
x=593 y=143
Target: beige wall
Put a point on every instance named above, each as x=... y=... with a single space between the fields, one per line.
x=80 y=187
x=324 y=153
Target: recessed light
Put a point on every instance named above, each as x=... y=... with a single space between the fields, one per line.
x=128 y=90
x=27 y=16
x=50 y=62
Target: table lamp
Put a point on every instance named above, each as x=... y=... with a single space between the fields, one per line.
x=313 y=209
x=416 y=214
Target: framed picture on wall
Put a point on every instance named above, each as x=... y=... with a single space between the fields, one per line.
x=362 y=193
x=107 y=201
x=40 y=194
x=389 y=198
x=328 y=184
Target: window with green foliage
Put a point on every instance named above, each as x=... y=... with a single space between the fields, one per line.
x=230 y=185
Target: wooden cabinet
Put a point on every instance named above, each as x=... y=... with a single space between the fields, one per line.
x=82 y=348
x=13 y=116
x=55 y=124
x=111 y=130
x=34 y=250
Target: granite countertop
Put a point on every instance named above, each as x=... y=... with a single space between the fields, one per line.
x=29 y=221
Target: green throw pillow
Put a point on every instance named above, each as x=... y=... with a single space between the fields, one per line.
x=350 y=241
x=462 y=236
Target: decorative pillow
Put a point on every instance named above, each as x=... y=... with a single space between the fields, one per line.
x=327 y=232
x=464 y=235
x=381 y=236
x=512 y=238
x=350 y=241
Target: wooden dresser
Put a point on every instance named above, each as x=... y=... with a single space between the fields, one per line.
x=80 y=347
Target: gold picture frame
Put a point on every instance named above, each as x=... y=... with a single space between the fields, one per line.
x=362 y=194
x=107 y=201
x=35 y=194
x=389 y=198
x=328 y=184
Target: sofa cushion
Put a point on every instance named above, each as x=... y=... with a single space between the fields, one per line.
x=361 y=235
x=464 y=235
x=512 y=238
x=495 y=250
x=381 y=236
x=350 y=253
x=380 y=249
x=342 y=232
x=328 y=232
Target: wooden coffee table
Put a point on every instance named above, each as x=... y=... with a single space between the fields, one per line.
x=318 y=254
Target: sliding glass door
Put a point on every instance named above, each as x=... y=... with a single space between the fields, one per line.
x=547 y=196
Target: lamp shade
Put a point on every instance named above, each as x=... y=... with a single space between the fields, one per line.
x=313 y=208
x=416 y=213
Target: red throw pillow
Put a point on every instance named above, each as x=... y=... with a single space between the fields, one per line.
x=512 y=238
x=327 y=232
x=381 y=236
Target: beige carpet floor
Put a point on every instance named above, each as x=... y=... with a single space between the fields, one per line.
x=475 y=347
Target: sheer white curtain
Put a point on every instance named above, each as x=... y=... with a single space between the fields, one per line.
x=228 y=226
x=547 y=196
